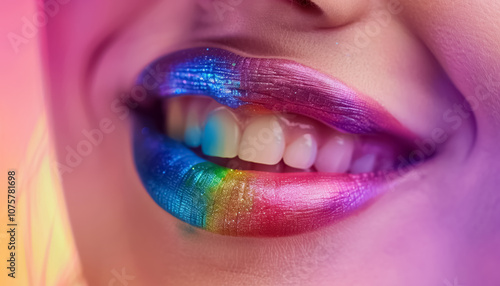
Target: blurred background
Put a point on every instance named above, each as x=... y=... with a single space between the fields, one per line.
x=44 y=251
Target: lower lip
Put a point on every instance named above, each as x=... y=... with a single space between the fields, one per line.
x=246 y=203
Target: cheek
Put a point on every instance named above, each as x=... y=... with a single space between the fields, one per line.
x=105 y=200
x=465 y=40
x=464 y=37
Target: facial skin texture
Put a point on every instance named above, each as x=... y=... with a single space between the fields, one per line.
x=425 y=60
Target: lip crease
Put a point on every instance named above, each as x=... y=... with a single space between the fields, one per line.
x=253 y=203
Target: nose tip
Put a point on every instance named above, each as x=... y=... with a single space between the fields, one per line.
x=276 y=15
x=337 y=13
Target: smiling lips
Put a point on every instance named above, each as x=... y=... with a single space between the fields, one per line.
x=250 y=202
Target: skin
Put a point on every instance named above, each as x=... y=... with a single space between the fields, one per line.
x=427 y=61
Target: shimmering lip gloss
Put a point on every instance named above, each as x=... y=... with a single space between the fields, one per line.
x=253 y=203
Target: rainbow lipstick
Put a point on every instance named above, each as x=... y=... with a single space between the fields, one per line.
x=253 y=203
x=243 y=203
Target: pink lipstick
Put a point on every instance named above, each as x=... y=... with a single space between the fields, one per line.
x=246 y=202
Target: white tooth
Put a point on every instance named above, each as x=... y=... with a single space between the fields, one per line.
x=175 y=118
x=364 y=164
x=192 y=133
x=301 y=153
x=221 y=135
x=263 y=141
x=335 y=155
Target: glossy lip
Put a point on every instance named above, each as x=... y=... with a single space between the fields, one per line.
x=252 y=203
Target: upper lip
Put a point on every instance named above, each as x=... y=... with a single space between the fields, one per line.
x=253 y=203
x=276 y=84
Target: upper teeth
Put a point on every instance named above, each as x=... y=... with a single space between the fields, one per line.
x=192 y=131
x=264 y=139
x=301 y=152
x=335 y=154
x=221 y=134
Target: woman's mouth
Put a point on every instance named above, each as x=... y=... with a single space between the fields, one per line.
x=261 y=147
